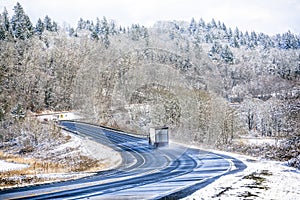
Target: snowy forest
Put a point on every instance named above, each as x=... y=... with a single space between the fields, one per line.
x=211 y=84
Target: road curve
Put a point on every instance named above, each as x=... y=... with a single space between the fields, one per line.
x=145 y=173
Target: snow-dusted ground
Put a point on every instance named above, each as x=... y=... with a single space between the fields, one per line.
x=253 y=138
x=78 y=145
x=95 y=150
x=92 y=149
x=8 y=166
x=261 y=179
x=75 y=146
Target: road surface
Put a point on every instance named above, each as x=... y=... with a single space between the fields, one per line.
x=145 y=173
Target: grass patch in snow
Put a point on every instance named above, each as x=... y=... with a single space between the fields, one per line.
x=36 y=170
x=259 y=179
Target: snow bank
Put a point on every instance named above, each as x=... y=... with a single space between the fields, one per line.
x=8 y=166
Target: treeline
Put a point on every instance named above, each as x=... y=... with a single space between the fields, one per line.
x=19 y=26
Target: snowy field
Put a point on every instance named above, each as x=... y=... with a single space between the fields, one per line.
x=261 y=179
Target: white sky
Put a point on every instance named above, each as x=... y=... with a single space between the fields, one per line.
x=268 y=16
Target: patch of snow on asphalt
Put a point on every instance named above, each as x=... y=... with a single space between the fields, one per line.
x=261 y=179
x=8 y=166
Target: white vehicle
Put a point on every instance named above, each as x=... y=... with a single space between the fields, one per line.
x=159 y=137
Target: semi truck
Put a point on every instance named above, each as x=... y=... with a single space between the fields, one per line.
x=159 y=136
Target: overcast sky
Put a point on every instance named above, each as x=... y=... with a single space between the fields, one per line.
x=267 y=16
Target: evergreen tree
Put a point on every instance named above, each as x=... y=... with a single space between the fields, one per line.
x=215 y=49
x=48 y=23
x=226 y=54
x=29 y=26
x=247 y=38
x=39 y=28
x=6 y=22
x=224 y=28
x=193 y=27
x=208 y=26
x=121 y=30
x=219 y=25
x=21 y=26
x=94 y=35
x=242 y=39
x=254 y=38
x=112 y=28
x=213 y=23
x=97 y=26
x=105 y=32
x=278 y=40
x=104 y=27
x=202 y=23
x=234 y=42
x=54 y=26
x=71 y=32
x=2 y=30
x=229 y=34
x=5 y=25
x=145 y=35
x=81 y=24
x=237 y=33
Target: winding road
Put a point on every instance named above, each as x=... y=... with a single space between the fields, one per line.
x=165 y=173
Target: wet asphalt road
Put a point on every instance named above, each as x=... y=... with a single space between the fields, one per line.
x=165 y=173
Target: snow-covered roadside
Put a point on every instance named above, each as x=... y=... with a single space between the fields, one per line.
x=42 y=179
x=261 y=179
x=8 y=166
x=110 y=158
x=75 y=147
x=84 y=146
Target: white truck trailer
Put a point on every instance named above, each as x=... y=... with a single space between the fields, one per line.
x=159 y=136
